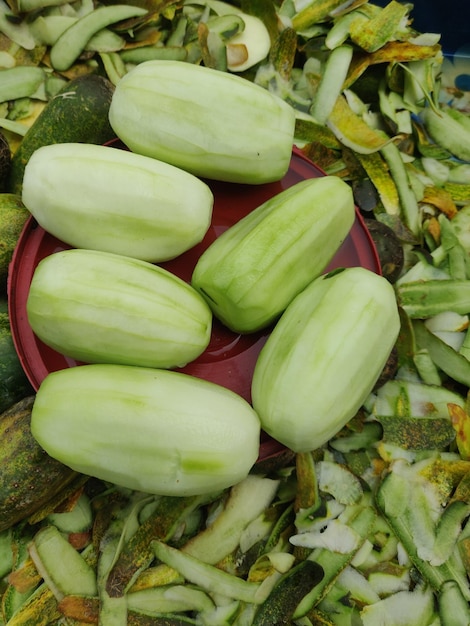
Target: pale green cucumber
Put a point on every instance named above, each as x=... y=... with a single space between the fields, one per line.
x=155 y=431
x=212 y=123
x=99 y=307
x=103 y=198
x=324 y=357
x=255 y=268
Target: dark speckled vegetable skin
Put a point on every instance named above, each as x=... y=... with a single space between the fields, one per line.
x=13 y=382
x=79 y=112
x=5 y=162
x=389 y=249
x=28 y=476
x=13 y=215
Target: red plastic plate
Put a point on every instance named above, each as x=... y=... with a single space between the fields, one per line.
x=230 y=358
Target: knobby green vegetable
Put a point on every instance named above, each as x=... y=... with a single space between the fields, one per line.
x=211 y=123
x=251 y=272
x=324 y=356
x=152 y=430
x=101 y=198
x=100 y=307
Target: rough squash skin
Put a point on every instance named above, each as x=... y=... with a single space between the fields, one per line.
x=5 y=162
x=79 y=112
x=14 y=385
x=13 y=216
x=28 y=476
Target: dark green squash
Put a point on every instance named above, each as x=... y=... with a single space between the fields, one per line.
x=78 y=113
x=28 y=476
x=13 y=382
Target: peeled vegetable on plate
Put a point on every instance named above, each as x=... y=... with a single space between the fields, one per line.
x=324 y=357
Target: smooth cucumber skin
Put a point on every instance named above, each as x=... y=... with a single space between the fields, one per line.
x=155 y=431
x=214 y=124
x=29 y=477
x=251 y=272
x=108 y=199
x=79 y=112
x=99 y=307
x=324 y=357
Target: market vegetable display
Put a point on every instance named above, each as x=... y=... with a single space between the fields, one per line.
x=115 y=201
x=254 y=269
x=372 y=526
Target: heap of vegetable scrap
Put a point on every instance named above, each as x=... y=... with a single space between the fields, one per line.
x=372 y=524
